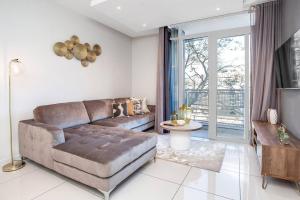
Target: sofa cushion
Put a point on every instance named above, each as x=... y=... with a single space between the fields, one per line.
x=62 y=115
x=121 y=100
x=102 y=151
x=99 y=109
x=127 y=122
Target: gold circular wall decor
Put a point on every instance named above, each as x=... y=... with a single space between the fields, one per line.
x=69 y=55
x=85 y=53
x=84 y=63
x=80 y=51
x=97 y=49
x=75 y=39
x=60 y=49
x=91 y=57
x=69 y=44
x=88 y=46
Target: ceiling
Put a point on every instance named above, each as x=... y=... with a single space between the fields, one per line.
x=143 y=17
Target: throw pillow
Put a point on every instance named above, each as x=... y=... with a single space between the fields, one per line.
x=137 y=106
x=144 y=105
x=140 y=105
x=130 y=108
x=119 y=109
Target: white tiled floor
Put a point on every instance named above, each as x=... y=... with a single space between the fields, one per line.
x=239 y=179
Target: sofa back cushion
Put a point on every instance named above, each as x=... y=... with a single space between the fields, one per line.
x=62 y=115
x=99 y=109
x=121 y=100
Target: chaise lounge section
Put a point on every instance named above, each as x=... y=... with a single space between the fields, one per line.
x=69 y=139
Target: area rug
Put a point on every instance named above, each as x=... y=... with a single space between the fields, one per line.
x=203 y=154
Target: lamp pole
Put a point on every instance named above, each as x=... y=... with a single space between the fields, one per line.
x=14 y=164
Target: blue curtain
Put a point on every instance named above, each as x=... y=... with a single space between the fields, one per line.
x=173 y=72
x=167 y=78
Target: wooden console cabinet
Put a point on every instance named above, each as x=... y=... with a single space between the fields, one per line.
x=276 y=160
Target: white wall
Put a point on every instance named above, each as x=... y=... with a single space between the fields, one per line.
x=144 y=65
x=28 y=31
x=220 y=23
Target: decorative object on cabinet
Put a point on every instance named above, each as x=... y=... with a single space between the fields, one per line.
x=283 y=136
x=82 y=52
x=272 y=116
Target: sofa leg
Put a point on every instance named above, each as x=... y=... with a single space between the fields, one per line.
x=105 y=194
x=154 y=159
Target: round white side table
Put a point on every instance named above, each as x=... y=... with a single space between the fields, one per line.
x=181 y=135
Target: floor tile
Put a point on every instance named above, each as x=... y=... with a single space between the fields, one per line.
x=29 y=185
x=84 y=187
x=276 y=190
x=143 y=187
x=247 y=150
x=249 y=165
x=29 y=168
x=231 y=161
x=224 y=184
x=186 y=193
x=166 y=170
x=67 y=191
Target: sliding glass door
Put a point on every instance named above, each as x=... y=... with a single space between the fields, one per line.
x=215 y=82
x=196 y=78
x=231 y=77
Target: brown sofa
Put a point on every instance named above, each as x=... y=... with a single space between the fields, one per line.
x=82 y=141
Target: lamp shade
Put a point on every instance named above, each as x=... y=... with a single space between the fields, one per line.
x=16 y=67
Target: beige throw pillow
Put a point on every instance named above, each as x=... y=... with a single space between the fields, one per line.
x=144 y=105
x=137 y=106
x=140 y=105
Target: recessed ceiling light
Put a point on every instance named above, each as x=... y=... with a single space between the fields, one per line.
x=119 y=8
x=96 y=2
x=144 y=25
x=218 y=9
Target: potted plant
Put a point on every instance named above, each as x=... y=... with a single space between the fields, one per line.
x=283 y=135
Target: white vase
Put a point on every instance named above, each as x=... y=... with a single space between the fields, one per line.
x=272 y=116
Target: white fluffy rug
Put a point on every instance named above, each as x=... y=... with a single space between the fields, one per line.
x=203 y=154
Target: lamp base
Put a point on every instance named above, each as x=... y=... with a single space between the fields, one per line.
x=15 y=165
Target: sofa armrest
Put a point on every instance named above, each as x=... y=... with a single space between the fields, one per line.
x=37 y=139
x=151 y=108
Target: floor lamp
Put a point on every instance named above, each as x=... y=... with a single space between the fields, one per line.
x=13 y=69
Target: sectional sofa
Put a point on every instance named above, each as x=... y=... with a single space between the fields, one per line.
x=82 y=141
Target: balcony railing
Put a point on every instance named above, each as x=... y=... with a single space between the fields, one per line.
x=230 y=107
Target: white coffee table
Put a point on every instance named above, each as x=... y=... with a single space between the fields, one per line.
x=181 y=135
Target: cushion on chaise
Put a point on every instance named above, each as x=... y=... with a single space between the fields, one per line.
x=102 y=151
x=127 y=122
